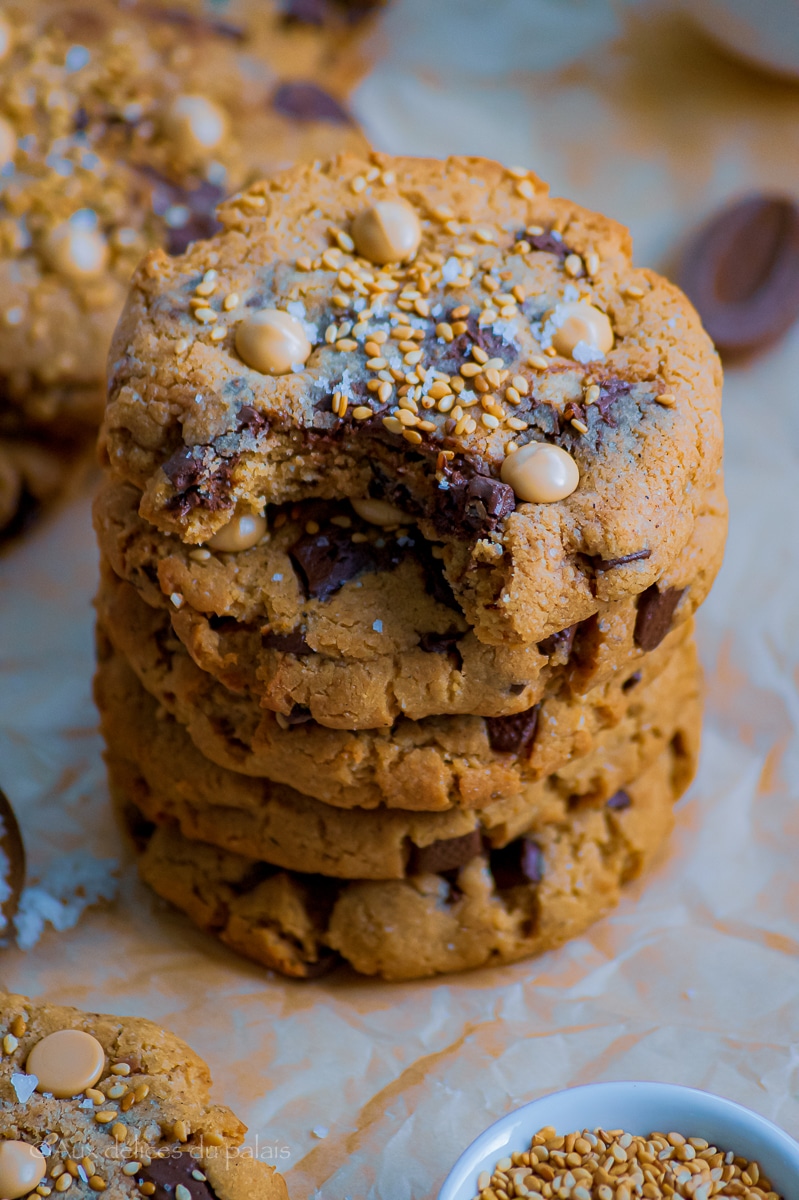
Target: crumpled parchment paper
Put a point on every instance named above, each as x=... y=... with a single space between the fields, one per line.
x=356 y=1088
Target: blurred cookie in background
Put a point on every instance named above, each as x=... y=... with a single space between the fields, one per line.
x=121 y=128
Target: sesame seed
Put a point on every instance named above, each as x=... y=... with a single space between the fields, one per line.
x=147 y=1189
x=518 y=293
x=340 y=300
x=525 y=189
x=405 y=417
x=358 y=184
x=105 y=1116
x=591 y=394
x=489 y=420
x=457 y=384
x=388 y=177
x=427 y=426
x=515 y=423
x=479 y=355
x=492 y=375
x=412 y=436
x=218 y=333
x=304 y=263
x=592 y=262
x=117 y=1090
x=484 y=236
x=573 y=265
x=63 y=1182
x=362 y=413
x=490 y=284
x=459 y=327
x=445 y=403
x=376 y=364
x=580 y=426
x=10 y=1043
x=460 y=312
x=469 y=370
x=422 y=307
x=182 y=1193
x=511 y=447
x=517 y=173
x=385 y=392
x=344 y=241
x=634 y=291
x=667 y=399
x=119 y=1132
x=413 y=357
x=181 y=345
x=181 y=1131
x=392 y=424
x=331 y=333
x=204 y=315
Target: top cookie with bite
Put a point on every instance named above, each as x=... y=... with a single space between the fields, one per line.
x=444 y=337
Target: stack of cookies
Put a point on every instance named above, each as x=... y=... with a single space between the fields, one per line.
x=401 y=546
x=121 y=127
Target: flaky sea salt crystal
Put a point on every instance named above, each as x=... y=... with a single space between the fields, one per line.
x=73 y=883
x=24 y=1086
x=584 y=352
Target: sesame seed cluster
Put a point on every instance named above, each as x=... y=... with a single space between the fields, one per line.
x=97 y=1104
x=120 y=131
x=611 y=1164
x=405 y=518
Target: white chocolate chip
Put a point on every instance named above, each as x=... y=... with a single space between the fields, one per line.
x=272 y=341
x=76 y=249
x=578 y=322
x=243 y=532
x=22 y=1166
x=8 y=141
x=195 y=124
x=540 y=473
x=379 y=512
x=387 y=232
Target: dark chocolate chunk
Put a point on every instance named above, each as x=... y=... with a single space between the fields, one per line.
x=168 y=198
x=549 y=241
x=193 y=24
x=299 y=715
x=559 y=645
x=619 y=801
x=319 y=12
x=197 y=484
x=653 y=619
x=309 y=102
x=436 y=583
x=443 y=643
x=251 y=419
x=329 y=559
x=476 y=504
x=287 y=643
x=518 y=864
x=13 y=862
x=611 y=389
x=607 y=564
x=177 y=1168
x=742 y=273
x=632 y=682
x=513 y=734
x=445 y=855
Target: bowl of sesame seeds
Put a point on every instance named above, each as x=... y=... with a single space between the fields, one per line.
x=621 y=1141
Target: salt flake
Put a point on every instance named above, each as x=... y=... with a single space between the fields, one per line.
x=24 y=1085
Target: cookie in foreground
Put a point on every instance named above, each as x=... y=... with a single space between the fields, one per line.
x=116 y=1105
x=446 y=338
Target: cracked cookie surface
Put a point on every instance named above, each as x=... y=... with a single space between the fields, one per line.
x=420 y=378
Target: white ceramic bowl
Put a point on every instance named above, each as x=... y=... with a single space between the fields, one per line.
x=637 y=1108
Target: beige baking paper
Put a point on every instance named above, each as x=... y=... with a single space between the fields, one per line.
x=362 y=1089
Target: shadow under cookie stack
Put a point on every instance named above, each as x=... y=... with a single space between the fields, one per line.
x=401 y=546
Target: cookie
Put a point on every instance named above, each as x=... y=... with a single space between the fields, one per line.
x=443 y=337
x=154 y=765
x=121 y=128
x=502 y=906
x=355 y=625
x=118 y=1104
x=429 y=765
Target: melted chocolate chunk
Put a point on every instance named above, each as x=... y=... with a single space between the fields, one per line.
x=199 y=202
x=548 y=241
x=619 y=801
x=318 y=12
x=178 y=1168
x=632 y=682
x=446 y=855
x=559 y=645
x=513 y=734
x=195 y=484
x=309 y=102
x=443 y=643
x=448 y=356
x=194 y=25
x=607 y=564
x=517 y=865
x=471 y=505
x=611 y=389
x=653 y=619
x=299 y=715
x=287 y=643
x=251 y=419
x=327 y=560
x=436 y=583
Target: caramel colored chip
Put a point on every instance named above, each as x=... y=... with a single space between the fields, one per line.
x=195 y=125
x=76 y=248
x=379 y=512
x=273 y=342
x=243 y=532
x=540 y=473
x=580 y=325
x=8 y=140
x=389 y=231
x=21 y=1168
x=66 y=1062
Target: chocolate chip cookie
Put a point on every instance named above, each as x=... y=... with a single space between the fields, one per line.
x=121 y=128
x=354 y=624
x=444 y=338
x=503 y=905
x=115 y=1105
x=154 y=765
x=431 y=765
